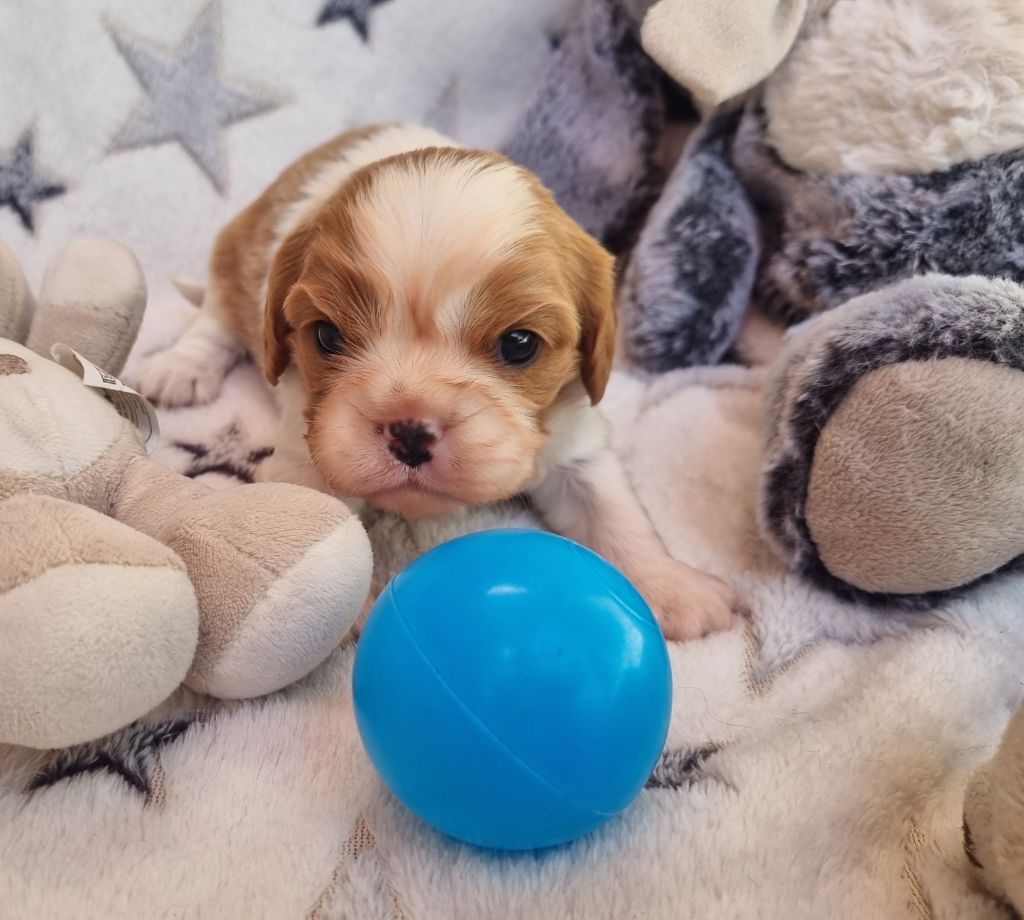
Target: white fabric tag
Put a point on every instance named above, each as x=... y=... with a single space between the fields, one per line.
x=133 y=406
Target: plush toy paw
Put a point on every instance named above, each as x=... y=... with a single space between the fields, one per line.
x=994 y=818
x=281 y=573
x=99 y=623
x=297 y=590
x=894 y=463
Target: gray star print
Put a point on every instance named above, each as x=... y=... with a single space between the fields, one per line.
x=21 y=185
x=186 y=99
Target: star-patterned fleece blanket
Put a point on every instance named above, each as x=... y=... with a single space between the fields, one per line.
x=818 y=752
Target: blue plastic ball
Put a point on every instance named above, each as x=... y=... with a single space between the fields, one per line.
x=513 y=689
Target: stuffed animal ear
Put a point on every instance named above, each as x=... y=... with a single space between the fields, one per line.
x=284 y=273
x=719 y=50
x=93 y=298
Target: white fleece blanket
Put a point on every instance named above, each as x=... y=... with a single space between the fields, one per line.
x=818 y=753
x=815 y=765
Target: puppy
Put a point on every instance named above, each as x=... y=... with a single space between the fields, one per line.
x=442 y=332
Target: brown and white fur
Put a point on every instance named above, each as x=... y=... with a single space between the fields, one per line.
x=423 y=254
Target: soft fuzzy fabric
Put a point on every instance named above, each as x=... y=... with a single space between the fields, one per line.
x=252 y=554
x=98 y=622
x=720 y=50
x=831 y=237
x=880 y=86
x=82 y=276
x=17 y=302
x=886 y=145
x=816 y=762
x=929 y=448
x=934 y=316
x=75 y=93
x=603 y=131
x=594 y=125
x=279 y=572
x=683 y=305
x=994 y=817
x=824 y=238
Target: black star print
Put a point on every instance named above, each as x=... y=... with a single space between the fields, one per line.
x=681 y=768
x=20 y=186
x=356 y=12
x=129 y=754
x=227 y=456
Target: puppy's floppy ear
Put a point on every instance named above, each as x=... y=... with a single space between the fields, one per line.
x=284 y=273
x=594 y=294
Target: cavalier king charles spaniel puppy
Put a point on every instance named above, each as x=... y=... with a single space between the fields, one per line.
x=441 y=333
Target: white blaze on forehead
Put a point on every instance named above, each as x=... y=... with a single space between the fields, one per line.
x=387 y=142
x=435 y=228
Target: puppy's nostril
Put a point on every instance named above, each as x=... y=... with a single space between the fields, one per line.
x=411 y=441
x=411 y=434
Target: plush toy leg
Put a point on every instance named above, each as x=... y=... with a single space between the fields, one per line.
x=17 y=305
x=593 y=130
x=95 y=296
x=688 y=283
x=894 y=459
x=994 y=818
x=99 y=623
x=281 y=573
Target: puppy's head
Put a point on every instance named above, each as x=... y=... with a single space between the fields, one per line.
x=436 y=307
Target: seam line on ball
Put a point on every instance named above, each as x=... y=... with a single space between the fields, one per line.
x=627 y=605
x=483 y=728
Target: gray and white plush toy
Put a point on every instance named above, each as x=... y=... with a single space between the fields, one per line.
x=856 y=173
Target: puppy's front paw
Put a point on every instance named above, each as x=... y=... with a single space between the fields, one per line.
x=687 y=603
x=174 y=378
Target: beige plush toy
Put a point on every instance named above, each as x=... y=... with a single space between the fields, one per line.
x=994 y=818
x=119 y=579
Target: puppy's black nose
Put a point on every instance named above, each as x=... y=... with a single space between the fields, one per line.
x=410 y=442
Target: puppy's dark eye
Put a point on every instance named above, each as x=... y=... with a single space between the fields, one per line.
x=518 y=346
x=329 y=338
